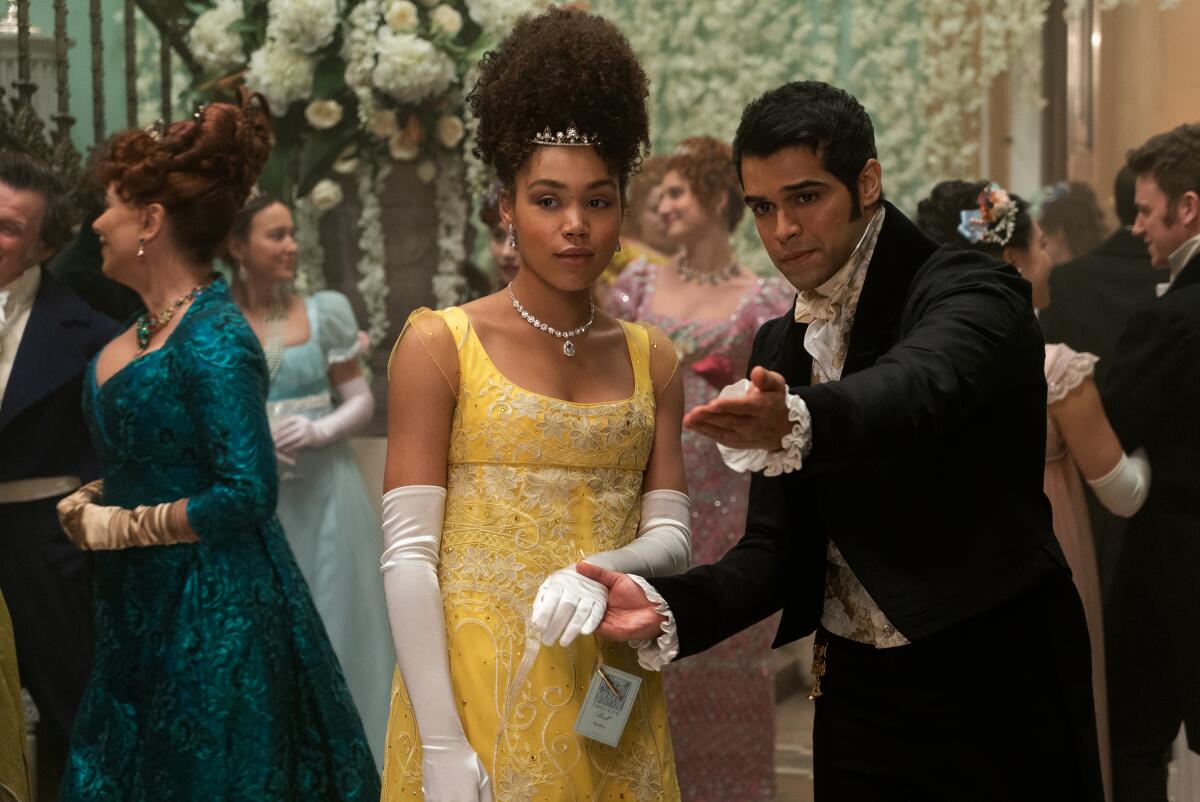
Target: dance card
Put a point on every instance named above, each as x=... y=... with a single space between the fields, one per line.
x=607 y=704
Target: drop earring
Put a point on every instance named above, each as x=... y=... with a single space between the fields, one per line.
x=618 y=246
x=243 y=273
x=512 y=237
x=141 y=251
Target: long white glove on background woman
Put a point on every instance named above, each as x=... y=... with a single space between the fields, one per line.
x=568 y=605
x=412 y=536
x=349 y=416
x=1124 y=489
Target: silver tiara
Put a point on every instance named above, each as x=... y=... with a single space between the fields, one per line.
x=570 y=138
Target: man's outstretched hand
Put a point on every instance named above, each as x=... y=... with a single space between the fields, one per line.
x=630 y=615
x=758 y=419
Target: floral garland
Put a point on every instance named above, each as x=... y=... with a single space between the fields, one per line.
x=372 y=281
x=310 y=254
x=359 y=85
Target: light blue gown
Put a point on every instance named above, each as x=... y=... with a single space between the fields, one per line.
x=329 y=520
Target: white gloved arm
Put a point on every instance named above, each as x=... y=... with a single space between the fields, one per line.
x=568 y=605
x=663 y=546
x=1123 y=490
x=412 y=534
x=354 y=412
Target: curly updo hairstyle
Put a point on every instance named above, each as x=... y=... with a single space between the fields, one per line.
x=200 y=169
x=707 y=165
x=562 y=68
x=940 y=213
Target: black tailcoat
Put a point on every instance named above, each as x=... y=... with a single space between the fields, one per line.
x=927 y=458
x=1153 y=613
x=45 y=579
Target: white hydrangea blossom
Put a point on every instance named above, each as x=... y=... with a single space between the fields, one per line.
x=281 y=74
x=410 y=68
x=449 y=283
x=496 y=17
x=372 y=281
x=213 y=44
x=306 y=25
x=402 y=16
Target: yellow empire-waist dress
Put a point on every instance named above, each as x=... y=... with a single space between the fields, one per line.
x=533 y=483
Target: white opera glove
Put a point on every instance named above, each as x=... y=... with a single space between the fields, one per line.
x=663 y=546
x=354 y=412
x=1124 y=489
x=568 y=605
x=412 y=534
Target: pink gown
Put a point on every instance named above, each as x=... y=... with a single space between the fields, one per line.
x=1066 y=370
x=721 y=704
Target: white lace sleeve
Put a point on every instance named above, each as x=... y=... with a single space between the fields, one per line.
x=654 y=654
x=1066 y=370
x=792 y=449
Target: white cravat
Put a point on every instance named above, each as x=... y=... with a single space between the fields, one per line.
x=16 y=302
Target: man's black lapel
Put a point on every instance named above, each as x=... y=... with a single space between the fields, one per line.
x=900 y=251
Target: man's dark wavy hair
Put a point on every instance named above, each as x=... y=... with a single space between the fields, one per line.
x=1173 y=160
x=814 y=115
x=22 y=173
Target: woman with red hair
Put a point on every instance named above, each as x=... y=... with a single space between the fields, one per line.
x=213 y=677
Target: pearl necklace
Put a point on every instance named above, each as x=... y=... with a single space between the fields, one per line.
x=568 y=348
x=276 y=323
x=699 y=277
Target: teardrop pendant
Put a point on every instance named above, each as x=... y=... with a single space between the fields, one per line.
x=569 y=348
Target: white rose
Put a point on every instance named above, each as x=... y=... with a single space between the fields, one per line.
x=410 y=68
x=306 y=25
x=446 y=20
x=281 y=74
x=402 y=16
x=426 y=171
x=450 y=130
x=322 y=114
x=213 y=44
x=325 y=195
x=402 y=149
x=384 y=124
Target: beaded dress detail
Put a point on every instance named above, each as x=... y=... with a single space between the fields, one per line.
x=534 y=482
x=213 y=677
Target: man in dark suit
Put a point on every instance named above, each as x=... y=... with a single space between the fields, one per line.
x=1152 y=398
x=47 y=337
x=898 y=419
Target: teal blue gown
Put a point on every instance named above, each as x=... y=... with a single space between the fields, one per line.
x=330 y=521
x=213 y=677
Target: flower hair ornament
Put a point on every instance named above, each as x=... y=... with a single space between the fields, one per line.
x=993 y=220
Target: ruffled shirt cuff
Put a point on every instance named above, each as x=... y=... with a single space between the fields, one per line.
x=791 y=452
x=654 y=654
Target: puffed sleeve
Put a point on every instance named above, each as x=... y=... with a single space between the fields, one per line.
x=338 y=333
x=226 y=376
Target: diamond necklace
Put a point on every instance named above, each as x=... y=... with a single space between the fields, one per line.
x=699 y=277
x=568 y=348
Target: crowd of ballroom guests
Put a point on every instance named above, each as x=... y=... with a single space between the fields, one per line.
x=1114 y=354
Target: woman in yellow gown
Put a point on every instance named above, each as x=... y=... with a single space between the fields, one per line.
x=550 y=446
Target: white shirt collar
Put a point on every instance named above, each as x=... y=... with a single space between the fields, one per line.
x=1182 y=255
x=840 y=291
x=18 y=294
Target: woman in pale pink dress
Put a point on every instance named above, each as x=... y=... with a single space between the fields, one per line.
x=1080 y=442
x=721 y=704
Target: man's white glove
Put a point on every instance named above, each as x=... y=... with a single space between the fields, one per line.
x=451 y=771
x=568 y=605
x=351 y=414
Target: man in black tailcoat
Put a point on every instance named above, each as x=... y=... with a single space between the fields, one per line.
x=895 y=421
x=47 y=337
x=1152 y=397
